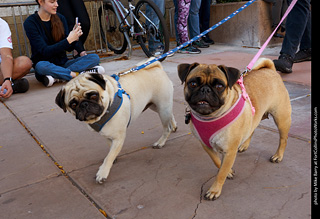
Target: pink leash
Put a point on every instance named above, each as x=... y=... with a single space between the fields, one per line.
x=255 y=58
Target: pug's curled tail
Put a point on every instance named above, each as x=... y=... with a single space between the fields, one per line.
x=263 y=63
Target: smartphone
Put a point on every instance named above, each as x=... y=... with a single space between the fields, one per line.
x=77 y=21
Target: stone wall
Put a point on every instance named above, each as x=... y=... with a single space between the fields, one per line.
x=250 y=27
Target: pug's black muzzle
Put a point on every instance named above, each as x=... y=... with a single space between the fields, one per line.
x=205 y=100
x=88 y=110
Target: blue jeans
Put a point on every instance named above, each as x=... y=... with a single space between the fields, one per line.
x=80 y=64
x=153 y=42
x=298 y=28
x=193 y=19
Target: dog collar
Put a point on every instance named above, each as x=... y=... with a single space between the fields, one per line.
x=206 y=129
x=113 y=108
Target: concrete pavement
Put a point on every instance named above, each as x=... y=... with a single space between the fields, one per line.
x=48 y=160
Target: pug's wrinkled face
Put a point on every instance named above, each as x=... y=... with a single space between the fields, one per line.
x=83 y=96
x=206 y=86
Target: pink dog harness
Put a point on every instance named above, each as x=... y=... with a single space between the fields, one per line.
x=207 y=129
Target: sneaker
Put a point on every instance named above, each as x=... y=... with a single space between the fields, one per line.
x=200 y=44
x=158 y=51
x=96 y=69
x=189 y=50
x=171 y=54
x=207 y=40
x=281 y=32
x=302 y=56
x=284 y=63
x=20 y=86
x=48 y=80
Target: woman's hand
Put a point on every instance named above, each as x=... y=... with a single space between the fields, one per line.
x=75 y=33
x=83 y=53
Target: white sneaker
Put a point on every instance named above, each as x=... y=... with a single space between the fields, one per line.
x=48 y=81
x=96 y=69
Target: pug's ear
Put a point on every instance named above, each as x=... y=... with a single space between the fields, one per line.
x=98 y=79
x=184 y=70
x=60 y=100
x=232 y=74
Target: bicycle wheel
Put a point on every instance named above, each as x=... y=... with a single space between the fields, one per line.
x=110 y=25
x=151 y=30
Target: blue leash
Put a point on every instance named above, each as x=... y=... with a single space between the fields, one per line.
x=190 y=41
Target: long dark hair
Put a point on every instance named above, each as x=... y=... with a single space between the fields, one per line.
x=57 y=29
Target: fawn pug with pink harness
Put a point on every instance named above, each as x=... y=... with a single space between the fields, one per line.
x=223 y=118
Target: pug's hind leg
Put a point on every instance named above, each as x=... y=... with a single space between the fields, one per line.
x=245 y=145
x=169 y=125
x=104 y=169
x=283 y=121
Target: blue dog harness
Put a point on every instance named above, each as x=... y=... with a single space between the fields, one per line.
x=113 y=108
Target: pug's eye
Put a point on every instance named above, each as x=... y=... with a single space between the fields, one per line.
x=219 y=87
x=74 y=105
x=193 y=84
x=94 y=97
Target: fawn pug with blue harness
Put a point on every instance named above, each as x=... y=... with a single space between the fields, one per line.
x=222 y=116
x=108 y=104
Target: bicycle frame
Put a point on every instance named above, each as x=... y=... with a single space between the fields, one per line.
x=116 y=4
x=122 y=13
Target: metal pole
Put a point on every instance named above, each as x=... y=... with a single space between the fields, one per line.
x=125 y=33
x=16 y=28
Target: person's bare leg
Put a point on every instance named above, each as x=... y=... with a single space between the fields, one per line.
x=21 y=67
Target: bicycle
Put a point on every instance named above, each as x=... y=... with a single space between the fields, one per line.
x=146 y=26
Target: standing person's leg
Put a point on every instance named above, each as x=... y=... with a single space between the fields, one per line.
x=295 y=27
x=276 y=12
x=80 y=11
x=65 y=8
x=182 y=20
x=304 y=53
x=182 y=27
x=194 y=24
x=204 y=19
x=193 y=18
x=175 y=2
x=297 y=21
x=284 y=7
x=279 y=7
x=155 y=44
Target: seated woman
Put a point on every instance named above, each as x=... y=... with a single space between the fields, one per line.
x=49 y=38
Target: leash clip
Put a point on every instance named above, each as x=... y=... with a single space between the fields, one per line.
x=187 y=115
x=124 y=73
x=245 y=72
